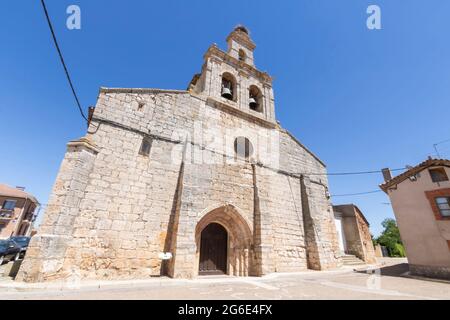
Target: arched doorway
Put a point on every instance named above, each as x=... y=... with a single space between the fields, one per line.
x=213 y=250
x=239 y=251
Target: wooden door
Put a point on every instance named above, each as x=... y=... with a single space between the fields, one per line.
x=213 y=250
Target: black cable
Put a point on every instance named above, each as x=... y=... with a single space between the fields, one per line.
x=349 y=173
x=355 y=194
x=62 y=61
x=128 y=128
x=85 y=118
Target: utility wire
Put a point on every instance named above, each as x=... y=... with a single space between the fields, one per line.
x=350 y=173
x=102 y=120
x=85 y=118
x=444 y=141
x=438 y=143
x=62 y=61
x=355 y=194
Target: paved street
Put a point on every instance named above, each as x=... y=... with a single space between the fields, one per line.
x=344 y=283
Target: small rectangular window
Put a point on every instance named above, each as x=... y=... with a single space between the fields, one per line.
x=9 y=205
x=438 y=175
x=146 y=145
x=443 y=204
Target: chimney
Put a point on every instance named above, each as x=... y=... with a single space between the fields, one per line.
x=386 y=174
x=20 y=188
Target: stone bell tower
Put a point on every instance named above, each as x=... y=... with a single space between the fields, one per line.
x=230 y=79
x=240 y=46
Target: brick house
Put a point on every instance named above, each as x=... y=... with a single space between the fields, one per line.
x=17 y=211
x=420 y=199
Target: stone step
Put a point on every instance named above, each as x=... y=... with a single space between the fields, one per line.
x=356 y=259
x=360 y=263
x=351 y=260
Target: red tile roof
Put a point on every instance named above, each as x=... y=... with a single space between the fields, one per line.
x=8 y=191
x=414 y=170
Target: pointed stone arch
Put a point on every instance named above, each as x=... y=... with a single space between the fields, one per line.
x=240 y=239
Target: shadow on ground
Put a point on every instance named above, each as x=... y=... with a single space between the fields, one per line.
x=397 y=270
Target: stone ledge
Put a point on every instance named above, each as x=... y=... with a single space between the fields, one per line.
x=140 y=90
x=235 y=111
x=214 y=51
x=85 y=143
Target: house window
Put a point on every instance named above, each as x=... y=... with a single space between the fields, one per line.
x=443 y=204
x=438 y=175
x=9 y=205
x=146 y=145
x=243 y=147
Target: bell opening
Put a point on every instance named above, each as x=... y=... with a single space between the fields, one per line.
x=227 y=92
x=255 y=98
x=253 y=104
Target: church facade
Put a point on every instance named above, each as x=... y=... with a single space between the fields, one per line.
x=186 y=183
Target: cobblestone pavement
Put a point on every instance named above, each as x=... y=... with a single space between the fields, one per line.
x=388 y=282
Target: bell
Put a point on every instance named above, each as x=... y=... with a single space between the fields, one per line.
x=226 y=93
x=253 y=104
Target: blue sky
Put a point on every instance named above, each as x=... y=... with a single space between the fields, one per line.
x=360 y=99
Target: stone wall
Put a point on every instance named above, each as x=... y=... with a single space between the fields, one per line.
x=48 y=250
x=358 y=239
x=366 y=239
x=113 y=210
x=352 y=235
x=437 y=272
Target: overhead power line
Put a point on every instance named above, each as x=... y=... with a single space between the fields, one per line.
x=62 y=61
x=350 y=173
x=438 y=143
x=444 y=141
x=355 y=194
x=85 y=118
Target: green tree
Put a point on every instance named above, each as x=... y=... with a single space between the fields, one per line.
x=390 y=238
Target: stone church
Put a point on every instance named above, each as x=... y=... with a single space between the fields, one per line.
x=186 y=183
